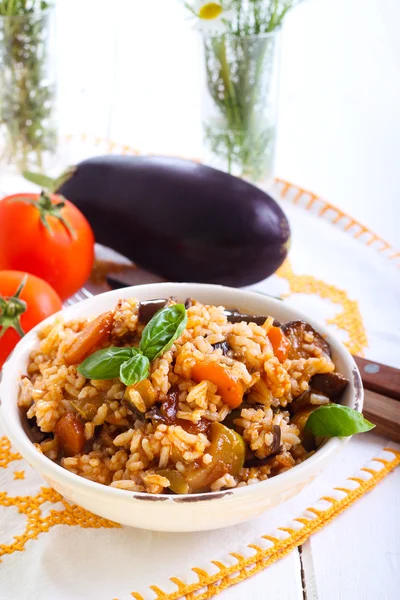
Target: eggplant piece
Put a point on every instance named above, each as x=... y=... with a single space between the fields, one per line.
x=32 y=430
x=180 y=219
x=308 y=399
x=135 y=413
x=148 y=308
x=300 y=403
x=234 y=316
x=224 y=346
x=155 y=416
x=166 y=413
x=235 y=414
x=294 y=331
x=170 y=406
x=189 y=302
x=276 y=442
x=331 y=385
x=254 y=461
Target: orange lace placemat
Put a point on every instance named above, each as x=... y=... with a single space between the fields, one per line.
x=345 y=276
x=44 y=538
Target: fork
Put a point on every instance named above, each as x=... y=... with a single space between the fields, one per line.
x=82 y=294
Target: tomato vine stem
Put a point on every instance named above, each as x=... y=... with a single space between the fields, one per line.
x=47 y=209
x=11 y=310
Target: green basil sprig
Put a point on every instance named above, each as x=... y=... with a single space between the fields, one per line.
x=132 y=365
x=333 y=420
x=162 y=330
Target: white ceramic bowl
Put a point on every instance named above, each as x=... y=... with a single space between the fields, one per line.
x=193 y=512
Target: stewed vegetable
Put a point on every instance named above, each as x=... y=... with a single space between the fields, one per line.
x=130 y=364
x=331 y=385
x=70 y=434
x=180 y=400
x=302 y=337
x=227 y=451
x=177 y=482
x=230 y=389
x=167 y=413
x=94 y=333
x=280 y=343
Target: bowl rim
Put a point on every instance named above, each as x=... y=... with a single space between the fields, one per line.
x=48 y=468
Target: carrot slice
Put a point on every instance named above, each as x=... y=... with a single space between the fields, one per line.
x=70 y=432
x=229 y=388
x=280 y=343
x=94 y=333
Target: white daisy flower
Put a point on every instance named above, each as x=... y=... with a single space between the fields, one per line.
x=211 y=16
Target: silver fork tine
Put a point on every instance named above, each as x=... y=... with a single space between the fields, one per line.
x=82 y=294
x=79 y=296
x=70 y=301
x=86 y=293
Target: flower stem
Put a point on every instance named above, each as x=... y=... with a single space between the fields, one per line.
x=229 y=89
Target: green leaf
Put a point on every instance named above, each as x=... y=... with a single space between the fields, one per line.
x=48 y=183
x=106 y=364
x=64 y=177
x=333 y=420
x=43 y=181
x=134 y=370
x=162 y=330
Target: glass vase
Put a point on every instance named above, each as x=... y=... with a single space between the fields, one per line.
x=27 y=91
x=240 y=102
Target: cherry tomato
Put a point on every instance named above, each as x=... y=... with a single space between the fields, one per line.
x=47 y=236
x=25 y=300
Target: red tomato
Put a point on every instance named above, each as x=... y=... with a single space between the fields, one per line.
x=41 y=235
x=22 y=309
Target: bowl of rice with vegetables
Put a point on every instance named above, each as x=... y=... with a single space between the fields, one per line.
x=180 y=407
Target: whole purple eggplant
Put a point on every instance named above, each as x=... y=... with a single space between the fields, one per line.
x=181 y=220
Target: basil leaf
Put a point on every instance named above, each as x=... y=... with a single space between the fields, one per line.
x=162 y=330
x=105 y=364
x=135 y=369
x=333 y=420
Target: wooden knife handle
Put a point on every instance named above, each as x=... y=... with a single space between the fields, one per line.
x=384 y=412
x=379 y=378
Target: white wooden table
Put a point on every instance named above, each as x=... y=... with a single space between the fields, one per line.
x=339 y=136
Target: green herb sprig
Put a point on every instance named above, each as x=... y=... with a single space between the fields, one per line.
x=240 y=67
x=130 y=364
x=26 y=96
x=333 y=420
x=258 y=16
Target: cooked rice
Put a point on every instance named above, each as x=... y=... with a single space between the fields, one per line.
x=125 y=451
